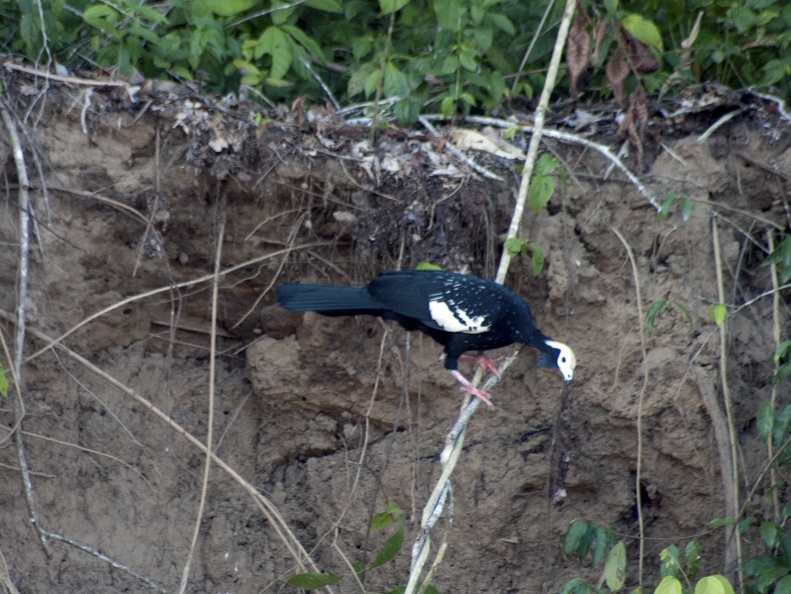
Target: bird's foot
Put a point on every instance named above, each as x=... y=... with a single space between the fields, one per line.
x=482 y=394
x=485 y=363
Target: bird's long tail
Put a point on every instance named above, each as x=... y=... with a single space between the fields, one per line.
x=328 y=299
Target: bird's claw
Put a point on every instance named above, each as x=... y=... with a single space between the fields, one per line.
x=485 y=363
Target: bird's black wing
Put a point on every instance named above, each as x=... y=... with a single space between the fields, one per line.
x=441 y=300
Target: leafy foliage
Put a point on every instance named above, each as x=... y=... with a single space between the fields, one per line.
x=451 y=56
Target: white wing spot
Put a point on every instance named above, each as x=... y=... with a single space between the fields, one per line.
x=455 y=320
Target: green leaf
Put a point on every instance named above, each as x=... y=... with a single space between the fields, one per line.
x=574 y=534
x=502 y=22
x=390 y=549
x=769 y=533
x=781 y=351
x=713 y=584
x=537 y=259
x=783 y=586
x=313 y=581
x=275 y=43
x=514 y=246
x=449 y=14
x=326 y=5
x=103 y=18
x=3 y=383
x=383 y=519
x=389 y=6
x=395 y=83
x=668 y=585
x=547 y=164
x=723 y=522
x=717 y=313
x=541 y=191
x=228 y=7
x=615 y=567
x=304 y=40
x=643 y=30
x=781 y=257
x=650 y=318
x=766 y=420
x=692 y=557
x=669 y=563
x=664 y=210
x=781 y=425
x=576 y=586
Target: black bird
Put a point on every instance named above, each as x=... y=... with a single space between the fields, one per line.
x=461 y=312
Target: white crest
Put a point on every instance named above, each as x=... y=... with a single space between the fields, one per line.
x=455 y=320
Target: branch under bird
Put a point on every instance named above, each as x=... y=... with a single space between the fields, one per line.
x=461 y=312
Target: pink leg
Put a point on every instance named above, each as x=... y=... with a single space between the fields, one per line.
x=485 y=363
x=482 y=394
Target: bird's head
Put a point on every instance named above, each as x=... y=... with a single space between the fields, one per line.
x=561 y=357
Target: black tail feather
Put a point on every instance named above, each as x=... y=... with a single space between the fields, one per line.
x=328 y=300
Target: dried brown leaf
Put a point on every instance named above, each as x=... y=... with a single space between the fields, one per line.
x=617 y=70
x=577 y=52
x=601 y=31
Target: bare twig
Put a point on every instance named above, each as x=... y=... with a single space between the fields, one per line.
x=733 y=550
x=109 y=560
x=66 y=79
x=19 y=338
x=210 y=421
x=773 y=486
x=640 y=399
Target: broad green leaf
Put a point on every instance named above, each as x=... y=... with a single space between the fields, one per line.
x=304 y=40
x=514 y=246
x=604 y=538
x=643 y=30
x=615 y=567
x=3 y=383
x=228 y=7
x=574 y=534
x=538 y=260
x=395 y=83
x=448 y=106
x=390 y=549
x=650 y=318
x=717 y=313
x=576 y=586
x=358 y=78
x=713 y=584
x=326 y=5
x=781 y=351
x=389 y=6
x=769 y=533
x=371 y=83
x=502 y=22
x=585 y=542
x=766 y=420
x=449 y=14
x=275 y=43
x=743 y=18
x=668 y=585
x=541 y=191
x=546 y=165
x=669 y=561
x=692 y=557
x=103 y=18
x=783 y=586
x=313 y=581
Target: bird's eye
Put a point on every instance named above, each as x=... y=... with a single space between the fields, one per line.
x=563 y=359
